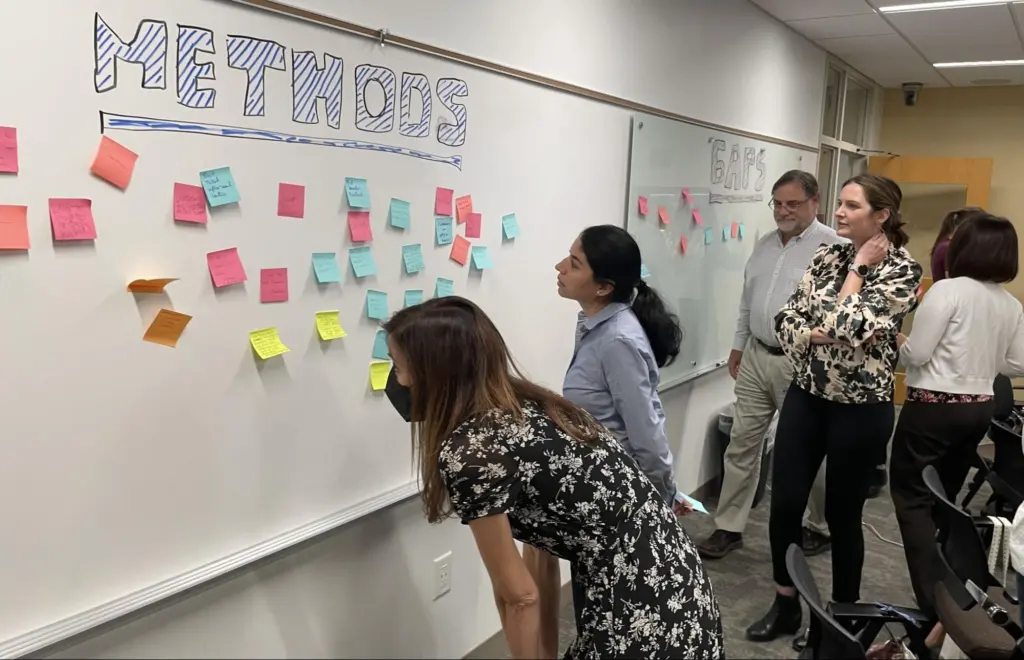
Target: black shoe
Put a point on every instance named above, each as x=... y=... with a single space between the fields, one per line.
x=720 y=544
x=878 y=480
x=782 y=619
x=800 y=642
x=814 y=543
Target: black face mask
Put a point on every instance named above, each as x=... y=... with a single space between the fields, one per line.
x=399 y=395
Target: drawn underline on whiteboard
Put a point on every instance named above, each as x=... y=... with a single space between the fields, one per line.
x=717 y=198
x=111 y=121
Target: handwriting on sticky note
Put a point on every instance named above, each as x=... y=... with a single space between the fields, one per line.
x=443 y=201
x=273 y=285
x=509 y=226
x=267 y=343
x=358 y=193
x=663 y=215
x=72 y=220
x=150 y=286
x=166 y=328
x=473 y=222
x=642 y=205
x=740 y=230
x=8 y=150
x=114 y=163
x=399 y=214
x=734 y=230
x=219 y=185
x=359 y=226
x=189 y=203
x=328 y=326
x=380 y=346
x=482 y=258
x=377 y=305
x=412 y=256
x=463 y=207
x=291 y=200
x=14 y=228
x=444 y=287
x=708 y=236
x=687 y=196
x=460 y=250
x=325 y=267
x=362 y=261
x=413 y=297
x=443 y=230
x=379 y=372
x=683 y=245
x=698 y=219
x=225 y=267
x=644 y=272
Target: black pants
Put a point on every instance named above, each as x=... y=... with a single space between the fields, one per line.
x=577 y=597
x=944 y=435
x=852 y=436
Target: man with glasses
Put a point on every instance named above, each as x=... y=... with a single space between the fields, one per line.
x=762 y=372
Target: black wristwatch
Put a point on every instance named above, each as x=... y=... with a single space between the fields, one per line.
x=862 y=271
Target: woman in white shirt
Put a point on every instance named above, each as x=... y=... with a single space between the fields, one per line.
x=967 y=330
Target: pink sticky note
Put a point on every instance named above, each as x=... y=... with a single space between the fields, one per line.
x=683 y=245
x=663 y=215
x=443 y=201
x=359 y=226
x=460 y=250
x=463 y=207
x=189 y=203
x=225 y=267
x=273 y=285
x=697 y=218
x=14 y=228
x=114 y=163
x=8 y=150
x=473 y=221
x=642 y=201
x=734 y=229
x=291 y=200
x=687 y=196
x=72 y=220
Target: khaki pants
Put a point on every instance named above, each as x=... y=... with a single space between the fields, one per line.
x=760 y=390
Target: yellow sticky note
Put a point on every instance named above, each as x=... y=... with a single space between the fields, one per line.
x=267 y=343
x=329 y=326
x=379 y=375
x=150 y=286
x=166 y=328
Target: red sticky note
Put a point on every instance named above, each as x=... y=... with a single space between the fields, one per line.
x=683 y=245
x=734 y=229
x=460 y=250
x=697 y=218
x=8 y=150
x=291 y=200
x=359 y=226
x=443 y=201
x=273 y=285
x=687 y=196
x=663 y=215
x=473 y=222
x=642 y=202
x=72 y=220
x=463 y=207
x=13 y=227
x=189 y=203
x=114 y=162
x=225 y=267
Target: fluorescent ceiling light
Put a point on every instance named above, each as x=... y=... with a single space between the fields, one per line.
x=944 y=4
x=966 y=65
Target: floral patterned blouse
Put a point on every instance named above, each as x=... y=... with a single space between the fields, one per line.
x=858 y=369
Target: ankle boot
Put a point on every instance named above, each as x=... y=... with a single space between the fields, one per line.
x=782 y=619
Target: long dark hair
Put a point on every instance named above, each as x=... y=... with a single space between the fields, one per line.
x=460 y=366
x=614 y=257
x=882 y=193
x=953 y=220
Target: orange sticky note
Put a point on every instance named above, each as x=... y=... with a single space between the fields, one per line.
x=734 y=229
x=166 y=328
x=687 y=196
x=225 y=267
x=473 y=222
x=150 y=286
x=14 y=228
x=443 y=201
x=663 y=215
x=460 y=250
x=114 y=163
x=642 y=203
x=697 y=218
x=683 y=245
x=359 y=226
x=8 y=150
x=463 y=207
x=72 y=220
x=291 y=200
x=273 y=285
x=189 y=203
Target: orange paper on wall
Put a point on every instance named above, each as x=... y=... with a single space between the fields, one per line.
x=150 y=286
x=166 y=328
x=683 y=245
x=14 y=228
x=114 y=163
x=460 y=250
x=663 y=215
x=463 y=207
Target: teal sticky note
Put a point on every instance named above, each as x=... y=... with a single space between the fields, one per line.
x=325 y=267
x=443 y=230
x=357 y=192
x=741 y=230
x=219 y=185
x=413 y=297
x=380 y=346
x=509 y=226
x=362 y=261
x=725 y=233
x=644 y=272
x=377 y=305
x=482 y=258
x=399 y=214
x=444 y=288
x=412 y=255
x=708 y=236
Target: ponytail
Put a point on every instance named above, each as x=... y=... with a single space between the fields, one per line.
x=893 y=230
x=660 y=325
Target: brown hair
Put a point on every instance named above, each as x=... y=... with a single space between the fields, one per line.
x=953 y=220
x=460 y=367
x=984 y=248
x=884 y=194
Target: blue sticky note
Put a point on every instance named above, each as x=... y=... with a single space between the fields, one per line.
x=644 y=272
x=509 y=226
x=708 y=236
x=358 y=193
x=413 y=297
x=741 y=230
x=443 y=230
x=482 y=258
x=694 y=504
x=377 y=305
x=444 y=288
x=219 y=185
x=412 y=255
x=380 y=346
x=362 y=261
x=725 y=233
x=325 y=267
x=399 y=214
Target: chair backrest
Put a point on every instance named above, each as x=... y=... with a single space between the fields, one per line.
x=959 y=542
x=826 y=639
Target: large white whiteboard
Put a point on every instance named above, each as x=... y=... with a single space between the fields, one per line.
x=729 y=179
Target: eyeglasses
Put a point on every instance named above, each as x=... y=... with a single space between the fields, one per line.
x=776 y=205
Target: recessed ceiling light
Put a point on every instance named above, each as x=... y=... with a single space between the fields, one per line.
x=965 y=65
x=944 y=4
x=991 y=82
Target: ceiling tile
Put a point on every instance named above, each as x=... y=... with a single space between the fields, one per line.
x=798 y=10
x=885 y=45
x=985 y=76
x=891 y=73
x=956 y=35
x=861 y=25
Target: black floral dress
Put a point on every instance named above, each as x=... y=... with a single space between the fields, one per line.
x=647 y=595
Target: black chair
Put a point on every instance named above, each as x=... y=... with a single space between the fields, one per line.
x=1005 y=472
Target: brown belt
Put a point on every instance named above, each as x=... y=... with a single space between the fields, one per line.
x=774 y=350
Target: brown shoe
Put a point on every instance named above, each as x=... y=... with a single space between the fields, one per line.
x=720 y=544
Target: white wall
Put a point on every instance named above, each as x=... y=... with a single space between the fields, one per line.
x=364 y=591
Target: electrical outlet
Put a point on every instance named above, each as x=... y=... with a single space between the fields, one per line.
x=442 y=575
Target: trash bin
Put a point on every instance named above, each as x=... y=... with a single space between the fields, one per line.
x=724 y=434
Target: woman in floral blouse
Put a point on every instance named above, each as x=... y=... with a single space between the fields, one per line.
x=839 y=328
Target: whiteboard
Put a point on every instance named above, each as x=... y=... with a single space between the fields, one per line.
x=728 y=179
